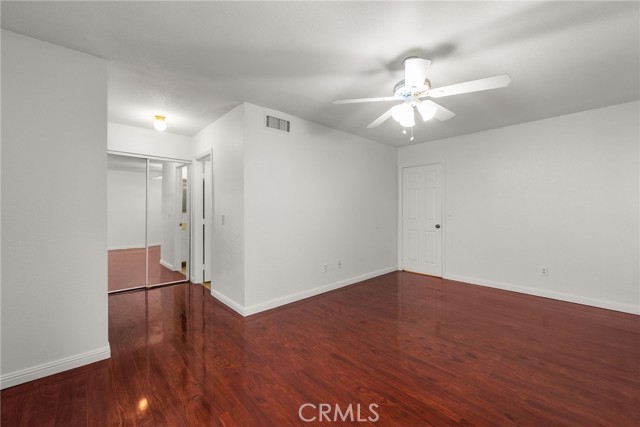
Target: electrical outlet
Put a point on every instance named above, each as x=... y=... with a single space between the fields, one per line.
x=544 y=271
x=339 y=264
x=325 y=267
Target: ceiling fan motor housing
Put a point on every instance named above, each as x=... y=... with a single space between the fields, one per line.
x=401 y=90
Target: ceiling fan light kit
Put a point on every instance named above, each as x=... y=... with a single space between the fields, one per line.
x=403 y=114
x=414 y=90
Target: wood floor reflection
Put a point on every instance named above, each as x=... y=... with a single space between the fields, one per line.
x=127 y=269
x=429 y=352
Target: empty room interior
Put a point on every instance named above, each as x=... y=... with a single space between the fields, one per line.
x=328 y=214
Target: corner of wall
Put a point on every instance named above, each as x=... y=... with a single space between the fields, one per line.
x=533 y=185
x=225 y=138
x=65 y=323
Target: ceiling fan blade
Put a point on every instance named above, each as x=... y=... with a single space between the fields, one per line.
x=415 y=71
x=377 y=122
x=442 y=113
x=358 y=100
x=471 y=86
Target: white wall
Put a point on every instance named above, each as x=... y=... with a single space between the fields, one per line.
x=148 y=142
x=126 y=209
x=313 y=197
x=226 y=137
x=561 y=193
x=54 y=194
x=167 y=217
x=156 y=219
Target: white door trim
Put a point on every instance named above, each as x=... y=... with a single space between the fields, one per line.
x=149 y=156
x=401 y=167
x=196 y=220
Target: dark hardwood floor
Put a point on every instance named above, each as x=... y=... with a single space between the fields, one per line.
x=429 y=352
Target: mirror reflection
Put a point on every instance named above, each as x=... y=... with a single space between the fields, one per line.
x=148 y=222
x=168 y=222
x=126 y=222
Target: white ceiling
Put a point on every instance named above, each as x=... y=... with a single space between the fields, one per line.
x=194 y=61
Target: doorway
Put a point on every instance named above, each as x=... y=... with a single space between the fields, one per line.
x=203 y=220
x=422 y=219
x=148 y=214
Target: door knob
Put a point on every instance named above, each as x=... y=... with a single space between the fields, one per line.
x=437 y=225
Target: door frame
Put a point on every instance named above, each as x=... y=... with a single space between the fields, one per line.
x=196 y=275
x=177 y=237
x=443 y=210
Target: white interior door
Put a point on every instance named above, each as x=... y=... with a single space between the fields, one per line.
x=421 y=219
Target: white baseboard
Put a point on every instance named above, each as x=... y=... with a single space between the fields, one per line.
x=124 y=247
x=44 y=370
x=593 y=302
x=167 y=265
x=237 y=307
x=288 y=299
x=121 y=247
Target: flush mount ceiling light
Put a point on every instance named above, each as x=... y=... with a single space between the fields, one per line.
x=160 y=123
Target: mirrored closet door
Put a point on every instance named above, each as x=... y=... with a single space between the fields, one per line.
x=148 y=222
x=168 y=224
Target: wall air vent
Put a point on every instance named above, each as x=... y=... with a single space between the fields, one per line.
x=277 y=124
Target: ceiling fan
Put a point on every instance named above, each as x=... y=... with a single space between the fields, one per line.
x=414 y=90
